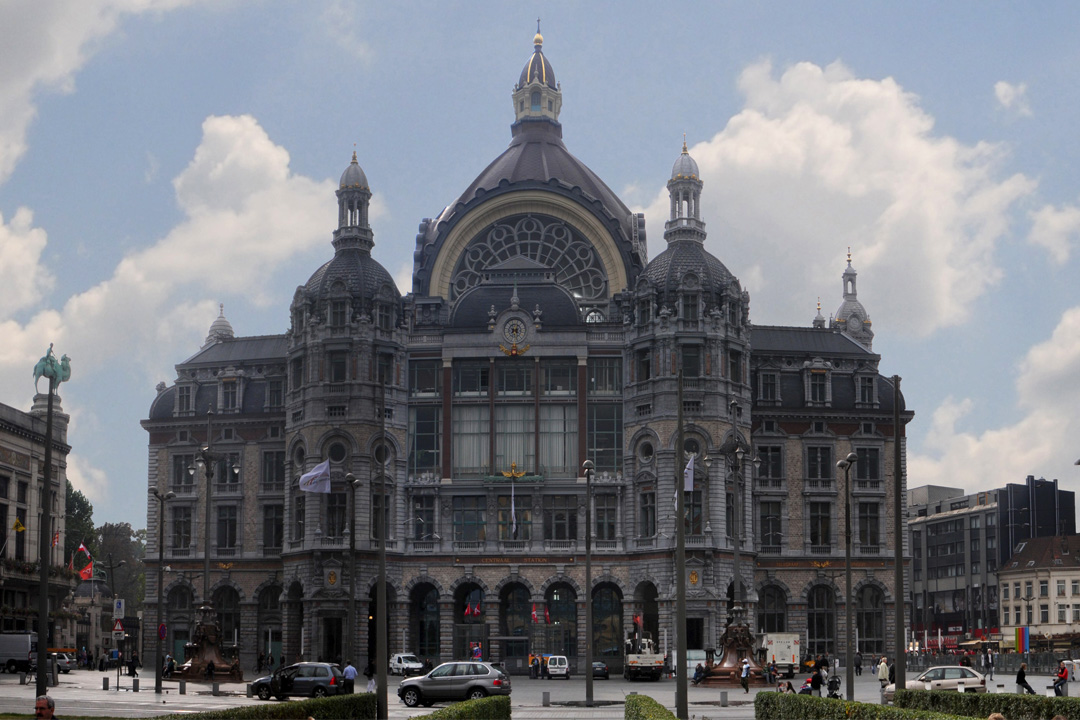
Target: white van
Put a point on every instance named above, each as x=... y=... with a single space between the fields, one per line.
x=406 y=664
x=558 y=667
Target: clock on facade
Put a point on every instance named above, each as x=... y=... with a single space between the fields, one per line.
x=514 y=330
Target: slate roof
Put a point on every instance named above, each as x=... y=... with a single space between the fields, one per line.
x=667 y=269
x=1045 y=553
x=256 y=348
x=361 y=274
x=803 y=340
x=559 y=308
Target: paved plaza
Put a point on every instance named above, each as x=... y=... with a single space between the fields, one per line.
x=80 y=693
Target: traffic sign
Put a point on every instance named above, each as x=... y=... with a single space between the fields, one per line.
x=162 y=631
x=118 y=608
x=118 y=626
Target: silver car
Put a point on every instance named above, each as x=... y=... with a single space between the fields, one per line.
x=944 y=677
x=454 y=681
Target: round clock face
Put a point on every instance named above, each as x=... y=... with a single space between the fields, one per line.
x=514 y=330
x=854 y=324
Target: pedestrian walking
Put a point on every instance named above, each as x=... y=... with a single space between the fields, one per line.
x=883 y=672
x=858 y=663
x=744 y=677
x=349 y=673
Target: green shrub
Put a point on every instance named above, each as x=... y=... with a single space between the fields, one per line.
x=643 y=707
x=361 y=707
x=771 y=705
x=980 y=705
x=496 y=707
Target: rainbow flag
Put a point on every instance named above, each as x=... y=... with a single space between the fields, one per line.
x=1023 y=639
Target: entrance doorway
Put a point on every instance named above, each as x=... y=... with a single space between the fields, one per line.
x=695 y=633
x=332 y=633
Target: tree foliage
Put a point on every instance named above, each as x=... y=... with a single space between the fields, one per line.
x=79 y=524
x=120 y=550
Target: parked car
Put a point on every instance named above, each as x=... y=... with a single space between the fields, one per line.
x=454 y=681
x=600 y=670
x=558 y=666
x=944 y=677
x=316 y=679
x=64 y=662
x=405 y=664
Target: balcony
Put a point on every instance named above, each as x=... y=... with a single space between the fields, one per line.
x=180 y=552
x=468 y=546
x=514 y=546
x=769 y=550
x=390 y=544
x=695 y=541
x=567 y=546
x=821 y=549
x=231 y=551
x=182 y=488
x=271 y=550
x=422 y=547
x=227 y=488
x=605 y=545
x=337 y=541
x=821 y=483
x=645 y=542
x=869 y=550
x=268 y=488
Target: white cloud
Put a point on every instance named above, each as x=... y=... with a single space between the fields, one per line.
x=819 y=160
x=23 y=279
x=247 y=216
x=1048 y=394
x=87 y=479
x=42 y=45
x=1055 y=229
x=1012 y=97
x=338 y=21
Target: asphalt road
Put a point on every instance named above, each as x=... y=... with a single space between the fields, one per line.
x=80 y=693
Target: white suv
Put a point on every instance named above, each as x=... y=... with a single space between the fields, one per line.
x=405 y=664
x=558 y=667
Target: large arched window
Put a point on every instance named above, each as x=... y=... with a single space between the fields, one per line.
x=607 y=622
x=820 y=621
x=515 y=611
x=772 y=610
x=870 y=619
x=562 y=608
x=424 y=620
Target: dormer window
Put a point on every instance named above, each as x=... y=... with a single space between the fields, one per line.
x=183 y=398
x=228 y=394
x=385 y=317
x=338 y=362
x=690 y=307
x=767 y=382
x=644 y=312
x=338 y=313
x=817 y=387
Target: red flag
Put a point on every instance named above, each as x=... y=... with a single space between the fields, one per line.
x=476 y=610
x=468 y=609
x=83 y=549
x=534 y=613
x=55 y=538
x=637 y=620
x=87 y=572
x=547 y=615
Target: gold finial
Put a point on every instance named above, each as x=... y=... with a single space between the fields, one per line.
x=354 y=156
x=848 y=254
x=684 y=151
x=538 y=39
x=819 y=305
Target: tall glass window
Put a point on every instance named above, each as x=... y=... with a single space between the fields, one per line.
x=605 y=438
x=299 y=503
x=522 y=510
x=425 y=378
x=772 y=462
x=562 y=606
x=226 y=527
x=471 y=379
x=472 y=440
x=606 y=510
x=870 y=619
x=647 y=518
x=821 y=524
x=819 y=465
x=772 y=611
x=425 y=620
x=469 y=521
x=558 y=439
x=273 y=526
x=869 y=523
x=181 y=527
x=424 y=439
x=423 y=520
x=695 y=506
x=821 y=621
x=380 y=514
x=227 y=603
x=869 y=465
x=515 y=428
x=558 y=377
x=605 y=376
x=514 y=378
x=560 y=517
x=769 y=523
x=607 y=622
x=336 y=513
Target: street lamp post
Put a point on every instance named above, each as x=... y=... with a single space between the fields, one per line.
x=162 y=499
x=589 y=468
x=849 y=655
x=353 y=484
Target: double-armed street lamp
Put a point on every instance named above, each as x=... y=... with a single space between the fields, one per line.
x=589 y=468
x=162 y=498
x=849 y=656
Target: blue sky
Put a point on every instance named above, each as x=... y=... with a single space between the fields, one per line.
x=158 y=157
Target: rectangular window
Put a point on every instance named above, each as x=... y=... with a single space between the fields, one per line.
x=821 y=524
x=976 y=522
x=647 y=519
x=514 y=378
x=183 y=398
x=1076 y=613
x=338 y=362
x=1044 y=588
x=558 y=378
x=472 y=440
x=605 y=438
x=299 y=508
x=227 y=470
x=273 y=526
x=4 y=524
x=1006 y=617
x=424 y=439
x=868 y=466
x=181 y=527
x=423 y=520
x=644 y=312
x=694 y=512
x=869 y=524
x=23 y=488
x=1061 y=588
x=275 y=393
x=1030 y=614
x=769 y=522
x=425 y=378
x=380 y=515
x=1005 y=592
x=866 y=390
x=386 y=317
x=469 y=523
x=606 y=510
x=560 y=517
x=817 y=387
x=819 y=465
x=690 y=307
x=228 y=394
x=767 y=389
x=273 y=470
x=384 y=368
x=1076 y=587
x=558 y=440
x=605 y=376
x=1028 y=589
x=20 y=537
x=1062 y=611
x=772 y=462
x=226 y=527
x=1044 y=613
x=975 y=568
x=643 y=365
x=515 y=437
x=182 y=479
x=336 y=514
x=520 y=511
x=735 y=366
x=691 y=360
x=471 y=379
x=339 y=313
x=297 y=373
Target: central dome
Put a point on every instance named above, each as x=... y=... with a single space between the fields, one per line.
x=537 y=68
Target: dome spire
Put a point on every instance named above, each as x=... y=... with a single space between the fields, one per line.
x=851 y=318
x=354 y=197
x=684 y=187
x=537 y=95
x=220 y=329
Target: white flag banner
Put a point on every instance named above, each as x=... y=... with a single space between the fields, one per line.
x=688 y=476
x=317 y=480
x=513 y=513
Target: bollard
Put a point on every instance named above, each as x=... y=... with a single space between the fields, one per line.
x=1050 y=691
x=105 y=683
x=54 y=679
x=183 y=687
x=135 y=685
x=249 y=690
x=22 y=678
x=214 y=691
x=723 y=698
x=547 y=699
